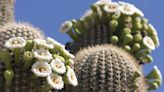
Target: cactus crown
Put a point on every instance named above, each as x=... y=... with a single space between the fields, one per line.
x=121 y=24
x=35 y=66
x=107 y=68
x=25 y=30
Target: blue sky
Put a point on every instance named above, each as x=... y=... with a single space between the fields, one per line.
x=49 y=14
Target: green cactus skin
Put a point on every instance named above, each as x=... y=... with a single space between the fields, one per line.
x=22 y=82
x=6 y=11
x=24 y=30
x=107 y=68
x=98 y=26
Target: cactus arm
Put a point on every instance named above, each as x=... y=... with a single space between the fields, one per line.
x=6 y=11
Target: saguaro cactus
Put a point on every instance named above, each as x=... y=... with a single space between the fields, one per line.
x=107 y=68
x=6 y=11
x=24 y=30
x=117 y=23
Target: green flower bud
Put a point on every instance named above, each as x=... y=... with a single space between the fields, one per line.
x=113 y=25
x=136 y=47
x=128 y=19
x=146 y=59
x=136 y=75
x=6 y=58
x=137 y=38
x=138 y=19
x=114 y=39
x=127 y=39
x=145 y=21
x=77 y=31
x=143 y=52
x=29 y=45
x=138 y=25
x=155 y=40
x=151 y=30
x=136 y=85
x=127 y=47
x=94 y=7
x=145 y=26
x=153 y=86
x=57 y=56
x=9 y=75
x=156 y=75
x=28 y=57
x=126 y=31
x=116 y=16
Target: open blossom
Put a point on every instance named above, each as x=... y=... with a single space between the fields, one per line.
x=58 y=66
x=55 y=81
x=66 y=26
x=41 y=69
x=72 y=79
x=16 y=42
x=112 y=7
x=136 y=10
x=148 y=42
x=54 y=43
x=43 y=43
x=127 y=8
x=43 y=55
x=102 y=2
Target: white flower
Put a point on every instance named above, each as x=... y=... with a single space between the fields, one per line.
x=136 y=10
x=16 y=42
x=42 y=54
x=148 y=42
x=41 y=69
x=69 y=54
x=55 y=81
x=66 y=26
x=71 y=76
x=127 y=8
x=102 y=2
x=58 y=66
x=43 y=43
x=53 y=42
x=112 y=7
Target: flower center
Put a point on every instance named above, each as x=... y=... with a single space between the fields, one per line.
x=42 y=53
x=112 y=7
x=149 y=42
x=56 y=81
x=58 y=65
x=42 y=69
x=126 y=8
x=15 y=42
x=72 y=77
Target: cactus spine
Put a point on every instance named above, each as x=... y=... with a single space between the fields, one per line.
x=107 y=68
